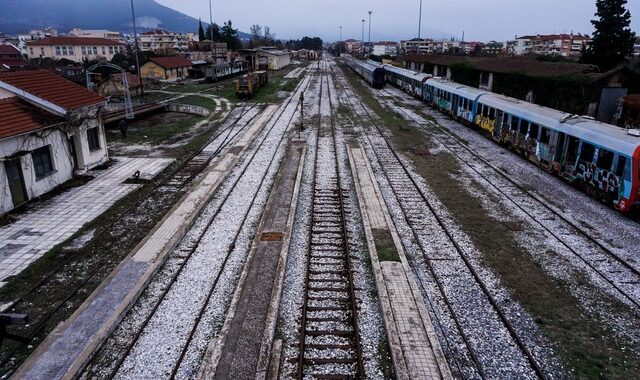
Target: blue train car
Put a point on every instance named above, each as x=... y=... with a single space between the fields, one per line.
x=372 y=73
x=409 y=81
x=452 y=98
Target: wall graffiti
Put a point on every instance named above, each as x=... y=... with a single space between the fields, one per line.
x=443 y=103
x=603 y=181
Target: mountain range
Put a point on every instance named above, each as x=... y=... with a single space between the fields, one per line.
x=21 y=16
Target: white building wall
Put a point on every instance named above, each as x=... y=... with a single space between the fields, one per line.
x=60 y=156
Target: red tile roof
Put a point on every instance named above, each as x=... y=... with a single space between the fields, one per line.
x=9 y=49
x=171 y=62
x=74 y=41
x=52 y=88
x=12 y=63
x=18 y=116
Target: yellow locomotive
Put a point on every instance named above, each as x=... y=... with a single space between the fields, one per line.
x=248 y=84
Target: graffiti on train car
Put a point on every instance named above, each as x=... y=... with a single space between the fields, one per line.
x=486 y=123
x=443 y=103
x=465 y=114
x=603 y=181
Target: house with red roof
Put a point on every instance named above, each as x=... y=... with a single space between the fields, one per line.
x=50 y=130
x=10 y=58
x=166 y=68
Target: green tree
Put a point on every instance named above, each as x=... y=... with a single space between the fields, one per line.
x=230 y=36
x=216 y=33
x=613 y=39
x=201 y=35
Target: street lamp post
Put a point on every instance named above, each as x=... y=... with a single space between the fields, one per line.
x=420 y=20
x=211 y=31
x=370 y=12
x=137 y=48
x=362 y=43
x=340 y=43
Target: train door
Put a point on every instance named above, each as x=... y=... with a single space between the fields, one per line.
x=454 y=104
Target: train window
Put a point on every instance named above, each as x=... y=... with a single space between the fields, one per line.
x=587 y=151
x=500 y=117
x=533 y=131
x=485 y=111
x=515 y=122
x=524 y=127
x=572 y=149
x=469 y=105
x=605 y=159
x=621 y=166
x=545 y=136
x=492 y=113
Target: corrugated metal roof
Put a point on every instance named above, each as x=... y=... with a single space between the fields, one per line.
x=74 y=41
x=171 y=62
x=52 y=88
x=18 y=116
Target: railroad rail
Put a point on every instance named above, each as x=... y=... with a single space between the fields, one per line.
x=627 y=276
x=182 y=257
x=329 y=344
x=414 y=203
x=177 y=180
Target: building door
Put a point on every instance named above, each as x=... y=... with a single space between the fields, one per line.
x=16 y=182
x=74 y=153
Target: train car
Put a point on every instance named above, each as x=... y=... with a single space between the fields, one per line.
x=221 y=71
x=248 y=84
x=452 y=98
x=602 y=158
x=373 y=74
x=409 y=81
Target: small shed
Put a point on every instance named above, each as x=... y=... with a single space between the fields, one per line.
x=166 y=68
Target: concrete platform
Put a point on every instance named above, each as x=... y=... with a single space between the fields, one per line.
x=69 y=347
x=241 y=351
x=55 y=220
x=415 y=349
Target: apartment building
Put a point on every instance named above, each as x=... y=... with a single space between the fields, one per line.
x=76 y=49
x=566 y=45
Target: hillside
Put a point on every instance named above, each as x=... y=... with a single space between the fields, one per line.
x=20 y=16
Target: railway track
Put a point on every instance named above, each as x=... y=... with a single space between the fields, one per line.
x=177 y=180
x=441 y=249
x=112 y=356
x=612 y=268
x=329 y=344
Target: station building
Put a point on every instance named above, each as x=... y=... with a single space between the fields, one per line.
x=50 y=130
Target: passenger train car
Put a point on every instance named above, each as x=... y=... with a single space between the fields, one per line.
x=220 y=71
x=371 y=72
x=601 y=158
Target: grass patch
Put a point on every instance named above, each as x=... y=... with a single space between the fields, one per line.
x=587 y=346
x=199 y=101
x=159 y=133
x=385 y=246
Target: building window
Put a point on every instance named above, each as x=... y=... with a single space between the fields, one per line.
x=58 y=50
x=111 y=50
x=95 y=50
x=42 y=162
x=104 y=51
x=84 y=50
x=70 y=50
x=94 y=140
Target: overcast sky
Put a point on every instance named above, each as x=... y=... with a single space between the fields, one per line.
x=482 y=20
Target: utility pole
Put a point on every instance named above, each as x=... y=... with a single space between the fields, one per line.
x=370 y=12
x=213 y=59
x=420 y=20
x=340 y=43
x=137 y=48
x=301 y=101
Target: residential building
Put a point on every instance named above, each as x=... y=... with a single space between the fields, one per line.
x=159 y=40
x=10 y=58
x=77 y=49
x=417 y=46
x=566 y=45
x=385 y=48
x=212 y=52
x=352 y=46
x=494 y=48
x=98 y=33
x=114 y=87
x=166 y=68
x=50 y=130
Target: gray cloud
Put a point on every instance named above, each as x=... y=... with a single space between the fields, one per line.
x=482 y=20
